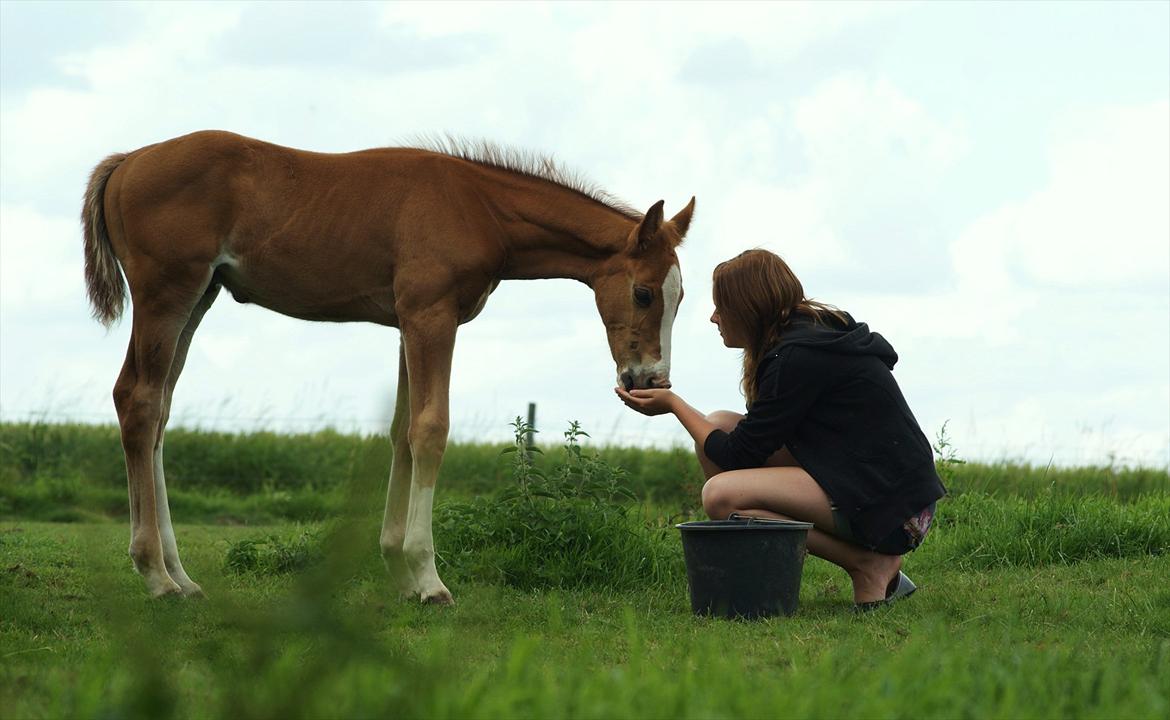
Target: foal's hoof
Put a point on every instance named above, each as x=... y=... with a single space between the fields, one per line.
x=194 y=592
x=442 y=596
x=168 y=589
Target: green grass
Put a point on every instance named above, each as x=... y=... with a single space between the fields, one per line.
x=1043 y=594
x=1087 y=639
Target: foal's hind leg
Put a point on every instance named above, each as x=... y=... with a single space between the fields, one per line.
x=160 y=316
x=162 y=507
x=398 y=493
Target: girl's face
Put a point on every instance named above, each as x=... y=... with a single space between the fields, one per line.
x=730 y=337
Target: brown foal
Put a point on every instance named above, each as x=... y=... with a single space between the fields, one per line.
x=410 y=238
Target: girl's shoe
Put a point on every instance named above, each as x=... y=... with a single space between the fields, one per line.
x=900 y=587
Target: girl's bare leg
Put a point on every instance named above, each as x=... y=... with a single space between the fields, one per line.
x=726 y=420
x=783 y=490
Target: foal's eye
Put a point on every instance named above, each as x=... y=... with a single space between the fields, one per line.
x=643 y=296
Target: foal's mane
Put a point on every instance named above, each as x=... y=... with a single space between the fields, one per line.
x=524 y=162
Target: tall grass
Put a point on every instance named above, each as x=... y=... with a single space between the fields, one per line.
x=73 y=472
x=245 y=463
x=573 y=525
x=980 y=531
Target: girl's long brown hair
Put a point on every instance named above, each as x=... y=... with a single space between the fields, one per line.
x=756 y=293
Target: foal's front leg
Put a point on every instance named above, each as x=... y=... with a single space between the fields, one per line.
x=429 y=344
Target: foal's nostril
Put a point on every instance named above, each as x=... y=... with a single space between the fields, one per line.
x=628 y=381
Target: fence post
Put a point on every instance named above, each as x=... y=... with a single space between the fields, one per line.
x=531 y=425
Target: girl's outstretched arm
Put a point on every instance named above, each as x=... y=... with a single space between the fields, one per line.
x=661 y=401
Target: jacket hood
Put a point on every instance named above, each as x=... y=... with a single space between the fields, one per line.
x=848 y=338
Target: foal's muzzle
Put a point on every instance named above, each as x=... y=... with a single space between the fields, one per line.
x=632 y=380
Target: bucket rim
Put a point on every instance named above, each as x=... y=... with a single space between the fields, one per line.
x=743 y=524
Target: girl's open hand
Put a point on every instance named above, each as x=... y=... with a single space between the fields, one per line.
x=648 y=402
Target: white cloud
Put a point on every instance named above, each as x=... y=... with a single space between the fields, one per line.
x=872 y=142
x=853 y=202
x=1103 y=220
x=1057 y=319
x=40 y=259
x=1100 y=223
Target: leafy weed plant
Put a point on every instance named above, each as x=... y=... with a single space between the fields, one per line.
x=946 y=457
x=569 y=527
x=274 y=554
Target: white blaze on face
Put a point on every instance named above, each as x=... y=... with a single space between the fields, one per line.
x=671 y=296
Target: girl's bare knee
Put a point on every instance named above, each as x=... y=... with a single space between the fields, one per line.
x=725 y=420
x=717 y=499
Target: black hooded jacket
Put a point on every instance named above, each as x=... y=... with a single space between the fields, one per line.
x=827 y=393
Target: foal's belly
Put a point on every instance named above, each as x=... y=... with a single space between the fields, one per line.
x=359 y=302
x=300 y=297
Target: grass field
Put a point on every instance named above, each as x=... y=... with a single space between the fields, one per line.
x=1043 y=594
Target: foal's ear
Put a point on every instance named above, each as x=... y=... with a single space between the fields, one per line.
x=682 y=221
x=650 y=225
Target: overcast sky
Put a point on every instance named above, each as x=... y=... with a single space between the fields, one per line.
x=984 y=184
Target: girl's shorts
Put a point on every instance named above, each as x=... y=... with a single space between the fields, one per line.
x=902 y=540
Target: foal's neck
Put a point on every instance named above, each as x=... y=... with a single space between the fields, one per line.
x=554 y=232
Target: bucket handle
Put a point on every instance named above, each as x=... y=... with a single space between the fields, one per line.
x=752 y=519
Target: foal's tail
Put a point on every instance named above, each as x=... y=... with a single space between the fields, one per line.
x=103 y=275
